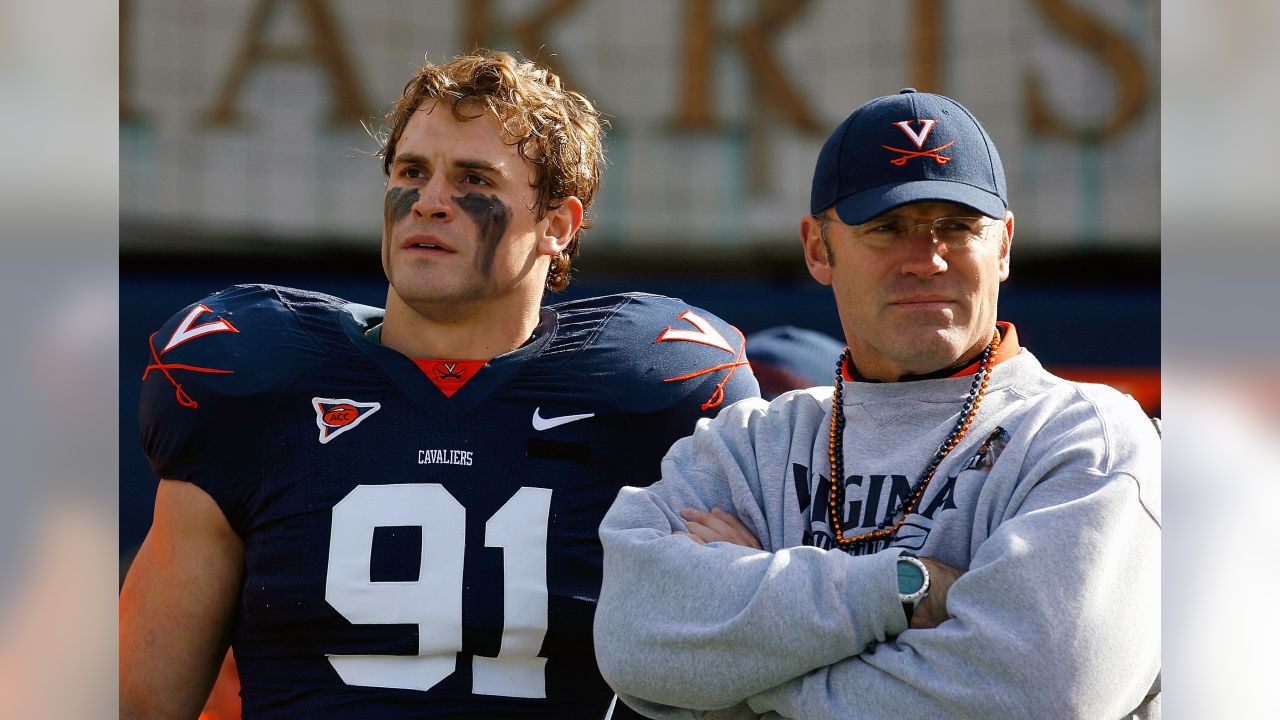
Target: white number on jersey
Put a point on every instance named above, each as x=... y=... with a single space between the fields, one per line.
x=433 y=602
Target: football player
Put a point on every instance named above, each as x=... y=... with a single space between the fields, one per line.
x=393 y=512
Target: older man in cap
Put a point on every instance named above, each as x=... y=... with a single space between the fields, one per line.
x=947 y=531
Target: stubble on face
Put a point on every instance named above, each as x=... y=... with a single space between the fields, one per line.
x=491 y=217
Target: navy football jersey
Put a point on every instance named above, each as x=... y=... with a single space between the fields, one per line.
x=409 y=554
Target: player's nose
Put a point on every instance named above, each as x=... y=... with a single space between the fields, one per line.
x=435 y=201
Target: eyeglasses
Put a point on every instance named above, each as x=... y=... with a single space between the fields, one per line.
x=893 y=232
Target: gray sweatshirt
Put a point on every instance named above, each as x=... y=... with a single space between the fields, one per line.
x=1050 y=505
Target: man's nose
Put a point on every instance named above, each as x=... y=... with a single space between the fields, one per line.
x=926 y=255
x=435 y=200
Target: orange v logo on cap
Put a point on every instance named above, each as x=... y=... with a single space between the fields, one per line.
x=918 y=138
x=923 y=135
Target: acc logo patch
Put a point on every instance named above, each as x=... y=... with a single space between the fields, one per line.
x=336 y=416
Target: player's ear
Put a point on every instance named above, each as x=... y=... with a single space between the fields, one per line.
x=817 y=251
x=561 y=224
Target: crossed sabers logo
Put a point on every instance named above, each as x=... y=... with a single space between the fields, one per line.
x=919 y=138
x=448 y=371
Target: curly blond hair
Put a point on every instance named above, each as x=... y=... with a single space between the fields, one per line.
x=557 y=130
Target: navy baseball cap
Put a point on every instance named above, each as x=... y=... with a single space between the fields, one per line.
x=905 y=148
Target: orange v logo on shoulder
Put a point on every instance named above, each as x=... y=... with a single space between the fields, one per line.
x=705 y=333
x=188 y=330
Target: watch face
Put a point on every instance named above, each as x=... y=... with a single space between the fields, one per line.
x=910 y=578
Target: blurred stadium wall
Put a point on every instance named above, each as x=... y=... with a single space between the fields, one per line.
x=244 y=155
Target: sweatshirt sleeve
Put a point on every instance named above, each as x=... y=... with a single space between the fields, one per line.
x=704 y=627
x=1057 y=616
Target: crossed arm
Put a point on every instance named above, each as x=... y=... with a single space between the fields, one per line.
x=719 y=525
x=1043 y=622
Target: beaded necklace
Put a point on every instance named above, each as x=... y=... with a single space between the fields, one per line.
x=835 y=449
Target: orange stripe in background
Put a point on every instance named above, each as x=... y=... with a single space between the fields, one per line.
x=1142 y=383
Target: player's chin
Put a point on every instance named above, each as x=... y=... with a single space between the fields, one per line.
x=414 y=286
x=435 y=295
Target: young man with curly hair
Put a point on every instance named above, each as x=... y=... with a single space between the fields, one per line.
x=393 y=513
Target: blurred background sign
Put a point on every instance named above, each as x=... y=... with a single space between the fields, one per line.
x=246 y=119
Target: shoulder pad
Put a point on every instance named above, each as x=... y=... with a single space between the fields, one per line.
x=214 y=372
x=650 y=352
x=234 y=342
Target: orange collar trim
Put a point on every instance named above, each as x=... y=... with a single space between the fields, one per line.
x=1009 y=348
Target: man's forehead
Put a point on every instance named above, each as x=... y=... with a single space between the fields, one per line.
x=434 y=122
x=434 y=136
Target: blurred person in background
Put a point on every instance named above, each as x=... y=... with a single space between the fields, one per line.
x=949 y=531
x=790 y=358
x=59 y=544
x=393 y=513
x=58 y=501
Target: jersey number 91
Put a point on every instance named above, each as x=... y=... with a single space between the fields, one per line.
x=433 y=602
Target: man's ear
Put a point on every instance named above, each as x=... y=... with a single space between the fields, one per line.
x=562 y=224
x=817 y=254
x=1006 y=244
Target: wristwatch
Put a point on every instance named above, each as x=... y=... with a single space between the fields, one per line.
x=913 y=583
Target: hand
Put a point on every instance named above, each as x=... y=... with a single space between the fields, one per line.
x=932 y=611
x=717 y=526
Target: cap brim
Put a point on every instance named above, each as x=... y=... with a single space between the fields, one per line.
x=863 y=206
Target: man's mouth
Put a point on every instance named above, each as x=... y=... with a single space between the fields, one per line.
x=425 y=242
x=924 y=301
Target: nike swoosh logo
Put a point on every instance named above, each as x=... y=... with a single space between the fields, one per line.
x=540 y=423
